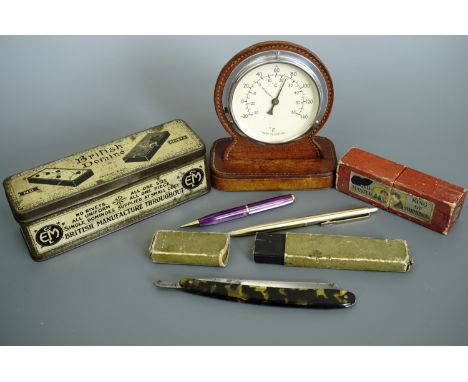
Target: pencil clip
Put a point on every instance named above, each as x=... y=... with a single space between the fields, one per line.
x=345 y=220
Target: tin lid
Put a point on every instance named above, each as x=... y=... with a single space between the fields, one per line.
x=66 y=182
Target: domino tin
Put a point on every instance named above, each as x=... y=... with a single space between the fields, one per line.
x=69 y=202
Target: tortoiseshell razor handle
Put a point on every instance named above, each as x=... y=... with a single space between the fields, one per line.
x=327 y=298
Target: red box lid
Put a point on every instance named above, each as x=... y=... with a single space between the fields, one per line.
x=373 y=165
x=429 y=186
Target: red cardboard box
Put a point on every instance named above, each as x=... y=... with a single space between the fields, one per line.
x=421 y=198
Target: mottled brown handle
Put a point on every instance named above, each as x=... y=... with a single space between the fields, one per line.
x=295 y=297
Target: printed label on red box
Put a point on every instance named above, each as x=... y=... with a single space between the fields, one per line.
x=409 y=204
x=369 y=188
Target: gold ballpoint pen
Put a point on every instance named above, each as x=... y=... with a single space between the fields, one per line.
x=322 y=219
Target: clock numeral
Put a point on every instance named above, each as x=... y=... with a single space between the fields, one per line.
x=293 y=74
x=306 y=86
x=308 y=101
x=304 y=116
x=276 y=69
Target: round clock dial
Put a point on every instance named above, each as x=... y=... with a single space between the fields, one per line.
x=276 y=96
x=275 y=103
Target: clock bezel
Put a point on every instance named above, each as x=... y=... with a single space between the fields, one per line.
x=253 y=56
x=272 y=57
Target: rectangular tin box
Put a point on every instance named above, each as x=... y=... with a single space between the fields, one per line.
x=71 y=201
x=416 y=196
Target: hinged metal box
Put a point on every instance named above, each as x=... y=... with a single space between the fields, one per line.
x=71 y=201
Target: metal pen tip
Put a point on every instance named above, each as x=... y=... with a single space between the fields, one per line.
x=191 y=224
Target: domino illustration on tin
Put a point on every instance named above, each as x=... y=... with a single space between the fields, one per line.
x=61 y=176
x=145 y=149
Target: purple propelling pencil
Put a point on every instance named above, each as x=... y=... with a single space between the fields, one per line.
x=241 y=211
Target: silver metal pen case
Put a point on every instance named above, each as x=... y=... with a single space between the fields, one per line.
x=69 y=202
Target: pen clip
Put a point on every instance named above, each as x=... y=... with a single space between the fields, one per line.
x=345 y=220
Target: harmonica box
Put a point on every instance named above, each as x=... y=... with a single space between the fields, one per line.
x=411 y=194
x=71 y=201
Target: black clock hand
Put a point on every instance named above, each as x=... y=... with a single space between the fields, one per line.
x=266 y=92
x=275 y=101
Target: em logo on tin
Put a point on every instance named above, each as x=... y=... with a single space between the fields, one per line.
x=192 y=178
x=49 y=235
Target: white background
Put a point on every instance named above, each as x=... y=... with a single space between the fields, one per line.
x=185 y=17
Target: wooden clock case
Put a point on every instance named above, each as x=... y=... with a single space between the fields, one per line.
x=241 y=164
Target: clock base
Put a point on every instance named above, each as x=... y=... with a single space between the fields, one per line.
x=252 y=174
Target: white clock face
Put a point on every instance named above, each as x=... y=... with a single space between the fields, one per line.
x=275 y=103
